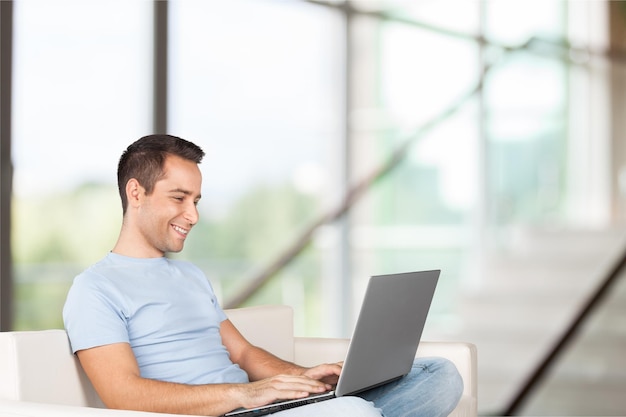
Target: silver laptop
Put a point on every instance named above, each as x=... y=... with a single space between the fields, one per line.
x=385 y=339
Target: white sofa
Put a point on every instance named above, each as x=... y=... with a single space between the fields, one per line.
x=39 y=376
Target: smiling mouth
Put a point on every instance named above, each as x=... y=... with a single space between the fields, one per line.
x=180 y=230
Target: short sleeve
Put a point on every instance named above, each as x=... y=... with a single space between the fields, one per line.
x=94 y=313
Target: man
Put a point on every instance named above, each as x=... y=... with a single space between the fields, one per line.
x=150 y=335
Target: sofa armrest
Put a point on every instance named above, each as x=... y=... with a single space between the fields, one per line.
x=39 y=366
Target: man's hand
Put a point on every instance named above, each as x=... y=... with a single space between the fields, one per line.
x=282 y=387
x=327 y=373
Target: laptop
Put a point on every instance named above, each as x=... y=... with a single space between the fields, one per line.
x=384 y=342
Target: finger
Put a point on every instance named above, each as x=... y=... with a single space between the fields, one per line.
x=322 y=371
x=265 y=392
x=297 y=383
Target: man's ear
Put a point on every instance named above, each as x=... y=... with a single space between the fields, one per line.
x=134 y=192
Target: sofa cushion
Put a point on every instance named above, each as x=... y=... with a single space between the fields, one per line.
x=269 y=327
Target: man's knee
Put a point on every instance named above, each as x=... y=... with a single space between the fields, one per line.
x=450 y=374
x=447 y=382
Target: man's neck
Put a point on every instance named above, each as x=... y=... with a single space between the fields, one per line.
x=129 y=245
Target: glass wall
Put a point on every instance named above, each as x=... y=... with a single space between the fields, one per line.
x=269 y=110
x=81 y=92
x=258 y=84
x=526 y=127
x=421 y=214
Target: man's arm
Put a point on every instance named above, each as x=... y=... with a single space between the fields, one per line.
x=114 y=373
x=257 y=362
x=260 y=364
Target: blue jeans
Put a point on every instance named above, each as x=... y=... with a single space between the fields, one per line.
x=432 y=389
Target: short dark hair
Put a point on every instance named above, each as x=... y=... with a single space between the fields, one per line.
x=144 y=160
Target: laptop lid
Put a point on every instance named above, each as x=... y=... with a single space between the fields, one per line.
x=388 y=330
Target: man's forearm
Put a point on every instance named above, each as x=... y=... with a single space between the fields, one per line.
x=213 y=399
x=260 y=364
x=166 y=397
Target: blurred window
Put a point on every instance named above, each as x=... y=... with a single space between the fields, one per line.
x=81 y=93
x=257 y=85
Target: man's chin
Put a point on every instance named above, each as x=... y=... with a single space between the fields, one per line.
x=174 y=249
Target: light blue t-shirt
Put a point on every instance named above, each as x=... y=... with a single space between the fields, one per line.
x=165 y=309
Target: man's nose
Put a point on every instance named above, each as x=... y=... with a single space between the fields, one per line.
x=191 y=214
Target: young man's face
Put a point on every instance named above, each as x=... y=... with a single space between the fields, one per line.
x=166 y=216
